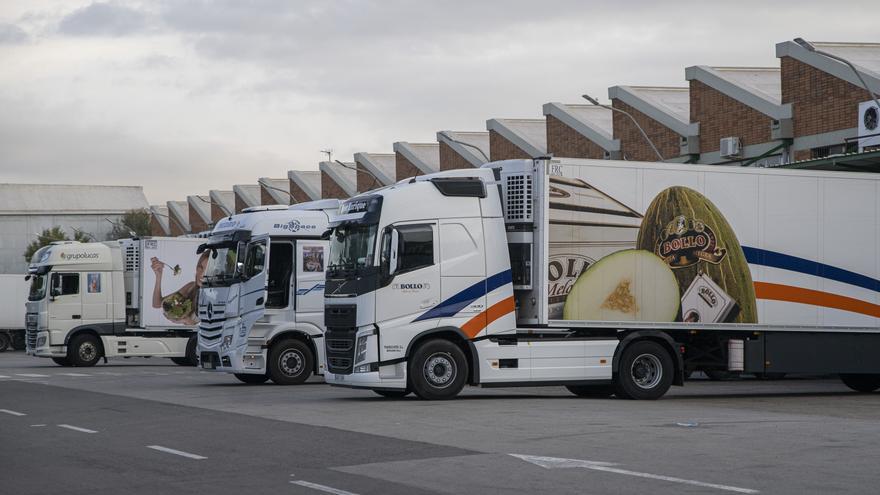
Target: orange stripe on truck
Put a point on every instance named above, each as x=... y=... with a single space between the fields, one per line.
x=476 y=324
x=787 y=293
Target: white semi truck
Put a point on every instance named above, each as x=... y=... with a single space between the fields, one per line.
x=13 y=294
x=126 y=298
x=262 y=305
x=607 y=277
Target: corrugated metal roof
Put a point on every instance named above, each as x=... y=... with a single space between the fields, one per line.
x=225 y=199
x=160 y=213
x=476 y=147
x=279 y=189
x=202 y=206
x=249 y=193
x=179 y=212
x=425 y=156
x=865 y=56
x=765 y=81
x=69 y=199
x=674 y=101
x=530 y=135
x=593 y=122
x=382 y=165
x=344 y=176
x=308 y=180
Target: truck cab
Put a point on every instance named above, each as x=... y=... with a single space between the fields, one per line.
x=261 y=306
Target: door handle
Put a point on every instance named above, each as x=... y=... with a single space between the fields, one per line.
x=76 y=317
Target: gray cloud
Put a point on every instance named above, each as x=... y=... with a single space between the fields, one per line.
x=12 y=34
x=104 y=19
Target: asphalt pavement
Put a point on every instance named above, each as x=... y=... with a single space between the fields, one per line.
x=148 y=426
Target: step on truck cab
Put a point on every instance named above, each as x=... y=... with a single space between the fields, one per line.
x=126 y=298
x=604 y=276
x=262 y=306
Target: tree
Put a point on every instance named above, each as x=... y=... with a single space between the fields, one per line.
x=135 y=222
x=49 y=236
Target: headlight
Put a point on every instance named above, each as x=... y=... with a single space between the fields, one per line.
x=361 y=349
x=41 y=341
x=227 y=342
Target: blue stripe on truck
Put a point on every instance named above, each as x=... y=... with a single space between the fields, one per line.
x=456 y=303
x=774 y=259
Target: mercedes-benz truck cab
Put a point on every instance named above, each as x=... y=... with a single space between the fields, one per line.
x=261 y=306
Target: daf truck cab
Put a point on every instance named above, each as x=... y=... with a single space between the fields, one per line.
x=262 y=306
x=126 y=298
x=602 y=276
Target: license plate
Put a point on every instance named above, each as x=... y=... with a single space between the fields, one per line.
x=208 y=365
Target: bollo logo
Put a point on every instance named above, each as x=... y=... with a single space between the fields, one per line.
x=684 y=242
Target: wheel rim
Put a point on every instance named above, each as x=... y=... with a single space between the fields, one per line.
x=87 y=351
x=646 y=371
x=440 y=370
x=291 y=362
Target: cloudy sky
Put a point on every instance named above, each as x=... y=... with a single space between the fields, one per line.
x=186 y=96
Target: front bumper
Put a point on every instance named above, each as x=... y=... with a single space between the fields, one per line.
x=390 y=377
x=242 y=360
x=41 y=347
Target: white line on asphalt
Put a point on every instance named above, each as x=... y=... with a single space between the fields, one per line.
x=38 y=425
x=32 y=375
x=77 y=428
x=322 y=488
x=672 y=479
x=3 y=376
x=74 y=374
x=14 y=413
x=175 y=452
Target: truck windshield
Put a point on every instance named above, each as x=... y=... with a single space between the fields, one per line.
x=351 y=246
x=38 y=288
x=221 y=266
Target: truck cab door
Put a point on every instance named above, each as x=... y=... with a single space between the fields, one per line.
x=412 y=286
x=96 y=297
x=309 y=283
x=254 y=276
x=65 y=301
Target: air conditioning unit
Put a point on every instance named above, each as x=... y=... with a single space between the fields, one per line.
x=869 y=125
x=730 y=147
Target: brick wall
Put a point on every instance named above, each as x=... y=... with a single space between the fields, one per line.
x=450 y=159
x=196 y=223
x=632 y=143
x=267 y=199
x=562 y=140
x=821 y=102
x=239 y=204
x=404 y=168
x=217 y=213
x=174 y=226
x=155 y=226
x=299 y=195
x=722 y=116
x=330 y=189
x=502 y=149
x=365 y=180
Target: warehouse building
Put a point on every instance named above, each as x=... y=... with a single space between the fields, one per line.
x=460 y=149
x=375 y=170
x=275 y=191
x=199 y=207
x=580 y=131
x=159 y=221
x=305 y=185
x=338 y=180
x=28 y=209
x=246 y=196
x=664 y=115
x=178 y=218
x=517 y=138
x=222 y=205
x=412 y=159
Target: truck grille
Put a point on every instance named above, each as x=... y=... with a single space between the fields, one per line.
x=339 y=344
x=30 y=331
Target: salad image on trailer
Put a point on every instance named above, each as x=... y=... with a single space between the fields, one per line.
x=606 y=277
x=89 y=301
x=261 y=307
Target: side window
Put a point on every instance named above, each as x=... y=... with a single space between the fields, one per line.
x=255 y=260
x=280 y=270
x=415 y=247
x=68 y=284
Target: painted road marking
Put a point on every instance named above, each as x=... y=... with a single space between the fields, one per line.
x=3 y=376
x=77 y=428
x=38 y=425
x=74 y=374
x=555 y=463
x=32 y=375
x=322 y=488
x=175 y=452
x=14 y=413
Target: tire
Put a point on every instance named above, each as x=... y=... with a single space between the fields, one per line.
x=861 y=383
x=180 y=361
x=5 y=343
x=84 y=351
x=392 y=394
x=191 y=358
x=251 y=379
x=61 y=361
x=290 y=362
x=437 y=370
x=591 y=391
x=645 y=371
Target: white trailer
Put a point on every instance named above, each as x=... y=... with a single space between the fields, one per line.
x=13 y=294
x=262 y=306
x=128 y=298
x=604 y=276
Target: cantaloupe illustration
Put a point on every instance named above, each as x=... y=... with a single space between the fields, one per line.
x=690 y=234
x=629 y=285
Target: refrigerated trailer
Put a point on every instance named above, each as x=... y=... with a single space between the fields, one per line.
x=13 y=294
x=262 y=306
x=126 y=298
x=608 y=277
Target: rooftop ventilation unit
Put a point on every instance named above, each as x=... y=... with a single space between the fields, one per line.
x=869 y=125
x=730 y=147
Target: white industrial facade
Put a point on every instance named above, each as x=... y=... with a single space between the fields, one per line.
x=28 y=209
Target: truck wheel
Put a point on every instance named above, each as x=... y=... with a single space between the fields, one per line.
x=251 y=379
x=392 y=394
x=645 y=371
x=84 y=350
x=290 y=362
x=594 y=391
x=4 y=342
x=191 y=358
x=61 y=361
x=437 y=370
x=861 y=383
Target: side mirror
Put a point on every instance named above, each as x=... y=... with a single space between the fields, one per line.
x=392 y=258
x=201 y=249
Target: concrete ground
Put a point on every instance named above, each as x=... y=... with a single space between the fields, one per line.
x=148 y=426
